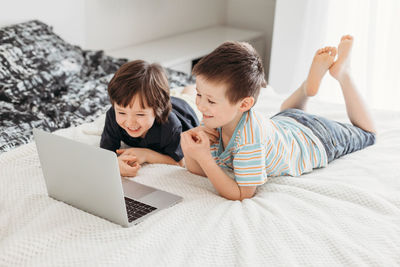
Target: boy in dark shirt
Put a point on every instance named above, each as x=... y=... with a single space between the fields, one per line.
x=145 y=117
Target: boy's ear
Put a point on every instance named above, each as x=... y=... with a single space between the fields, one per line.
x=246 y=103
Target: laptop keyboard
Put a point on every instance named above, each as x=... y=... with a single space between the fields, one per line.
x=136 y=209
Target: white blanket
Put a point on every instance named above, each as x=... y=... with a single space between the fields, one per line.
x=345 y=214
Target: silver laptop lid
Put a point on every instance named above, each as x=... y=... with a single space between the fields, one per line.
x=81 y=175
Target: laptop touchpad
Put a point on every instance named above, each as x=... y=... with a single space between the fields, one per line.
x=135 y=190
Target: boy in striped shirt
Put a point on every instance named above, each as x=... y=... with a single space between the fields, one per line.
x=235 y=137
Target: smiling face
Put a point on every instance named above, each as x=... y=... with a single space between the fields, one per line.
x=212 y=102
x=135 y=119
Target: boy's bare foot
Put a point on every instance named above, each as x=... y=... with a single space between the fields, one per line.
x=342 y=65
x=322 y=61
x=189 y=89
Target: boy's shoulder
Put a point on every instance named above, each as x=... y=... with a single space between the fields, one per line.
x=172 y=124
x=254 y=127
x=184 y=113
x=110 y=116
x=181 y=106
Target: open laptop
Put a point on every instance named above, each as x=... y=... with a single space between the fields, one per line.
x=88 y=178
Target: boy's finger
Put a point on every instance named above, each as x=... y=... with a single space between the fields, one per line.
x=192 y=133
x=203 y=136
x=133 y=165
x=128 y=158
x=212 y=135
x=186 y=138
x=120 y=151
x=196 y=138
x=134 y=168
x=183 y=140
x=137 y=165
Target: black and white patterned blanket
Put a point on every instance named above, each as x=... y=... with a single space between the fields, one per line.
x=50 y=84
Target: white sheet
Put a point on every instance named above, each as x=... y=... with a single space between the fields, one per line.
x=346 y=214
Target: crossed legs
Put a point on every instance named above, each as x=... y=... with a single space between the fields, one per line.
x=323 y=61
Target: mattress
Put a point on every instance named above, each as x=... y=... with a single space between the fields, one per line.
x=347 y=214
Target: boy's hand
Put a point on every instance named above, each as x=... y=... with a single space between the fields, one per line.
x=212 y=134
x=139 y=153
x=195 y=144
x=128 y=166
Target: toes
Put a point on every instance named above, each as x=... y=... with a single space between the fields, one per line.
x=322 y=50
x=346 y=37
x=333 y=52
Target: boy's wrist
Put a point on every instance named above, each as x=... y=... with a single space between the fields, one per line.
x=148 y=155
x=204 y=160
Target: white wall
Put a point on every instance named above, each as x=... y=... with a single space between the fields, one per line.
x=295 y=41
x=115 y=24
x=109 y=24
x=67 y=17
x=253 y=15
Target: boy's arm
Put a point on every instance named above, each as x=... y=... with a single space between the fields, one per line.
x=226 y=186
x=156 y=157
x=200 y=151
x=144 y=155
x=193 y=166
x=128 y=165
x=171 y=152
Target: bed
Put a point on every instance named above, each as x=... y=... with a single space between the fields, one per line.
x=48 y=83
x=347 y=214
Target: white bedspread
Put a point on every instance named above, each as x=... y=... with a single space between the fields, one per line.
x=345 y=214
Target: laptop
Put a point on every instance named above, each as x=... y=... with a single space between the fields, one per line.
x=88 y=178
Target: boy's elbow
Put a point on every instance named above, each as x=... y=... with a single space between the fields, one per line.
x=243 y=197
x=197 y=172
x=239 y=197
x=181 y=163
x=246 y=192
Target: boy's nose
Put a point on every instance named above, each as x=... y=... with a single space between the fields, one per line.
x=200 y=106
x=131 y=122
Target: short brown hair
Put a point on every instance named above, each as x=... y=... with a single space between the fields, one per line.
x=236 y=64
x=148 y=81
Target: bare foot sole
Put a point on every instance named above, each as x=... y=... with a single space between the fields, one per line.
x=342 y=64
x=322 y=61
x=189 y=89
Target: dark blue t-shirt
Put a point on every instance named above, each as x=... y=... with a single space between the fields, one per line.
x=163 y=138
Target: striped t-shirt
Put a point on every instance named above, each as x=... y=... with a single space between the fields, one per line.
x=262 y=147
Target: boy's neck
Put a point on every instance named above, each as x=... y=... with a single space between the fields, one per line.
x=229 y=129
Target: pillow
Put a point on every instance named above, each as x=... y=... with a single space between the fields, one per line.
x=33 y=56
x=37 y=65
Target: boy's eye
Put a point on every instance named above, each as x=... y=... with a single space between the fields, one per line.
x=121 y=113
x=141 y=114
x=211 y=102
x=199 y=95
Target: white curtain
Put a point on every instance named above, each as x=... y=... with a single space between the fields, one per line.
x=301 y=27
